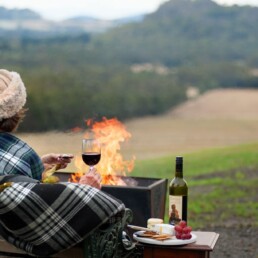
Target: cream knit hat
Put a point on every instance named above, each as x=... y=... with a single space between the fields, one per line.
x=12 y=93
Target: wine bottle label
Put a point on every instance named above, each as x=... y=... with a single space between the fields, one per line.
x=177 y=209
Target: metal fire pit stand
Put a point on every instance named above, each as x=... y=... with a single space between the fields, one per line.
x=112 y=241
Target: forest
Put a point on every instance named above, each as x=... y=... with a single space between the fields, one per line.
x=74 y=76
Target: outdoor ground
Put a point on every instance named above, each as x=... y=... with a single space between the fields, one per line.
x=238 y=236
x=236 y=242
x=218 y=118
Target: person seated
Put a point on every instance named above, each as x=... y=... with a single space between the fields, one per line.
x=16 y=156
x=43 y=219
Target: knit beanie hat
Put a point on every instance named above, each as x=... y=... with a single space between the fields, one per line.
x=12 y=94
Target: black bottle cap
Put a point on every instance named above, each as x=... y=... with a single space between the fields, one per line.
x=179 y=160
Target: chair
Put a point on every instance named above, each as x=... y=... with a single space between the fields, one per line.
x=111 y=240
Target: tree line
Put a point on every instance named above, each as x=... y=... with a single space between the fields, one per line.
x=72 y=77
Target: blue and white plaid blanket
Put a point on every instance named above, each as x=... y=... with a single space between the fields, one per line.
x=44 y=219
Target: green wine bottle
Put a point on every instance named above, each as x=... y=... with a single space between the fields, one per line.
x=178 y=191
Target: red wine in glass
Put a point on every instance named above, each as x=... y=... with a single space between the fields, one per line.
x=91 y=158
x=91 y=152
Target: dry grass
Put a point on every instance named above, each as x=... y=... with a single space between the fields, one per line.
x=218 y=118
x=221 y=104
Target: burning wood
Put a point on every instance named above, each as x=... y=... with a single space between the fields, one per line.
x=112 y=180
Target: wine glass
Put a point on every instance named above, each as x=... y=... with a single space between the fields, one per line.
x=91 y=152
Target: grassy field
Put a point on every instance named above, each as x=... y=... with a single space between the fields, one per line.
x=222 y=184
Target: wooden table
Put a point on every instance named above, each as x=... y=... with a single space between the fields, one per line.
x=200 y=249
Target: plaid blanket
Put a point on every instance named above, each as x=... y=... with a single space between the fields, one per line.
x=43 y=219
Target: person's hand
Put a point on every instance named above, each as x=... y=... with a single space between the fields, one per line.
x=51 y=159
x=92 y=178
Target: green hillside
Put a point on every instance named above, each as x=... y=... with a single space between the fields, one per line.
x=184 y=43
x=186 y=33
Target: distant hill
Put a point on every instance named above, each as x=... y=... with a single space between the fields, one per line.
x=124 y=20
x=187 y=33
x=27 y=20
x=131 y=70
x=18 y=14
x=129 y=19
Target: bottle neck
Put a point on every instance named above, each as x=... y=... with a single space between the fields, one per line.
x=179 y=170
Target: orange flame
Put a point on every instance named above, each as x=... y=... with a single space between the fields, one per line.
x=110 y=133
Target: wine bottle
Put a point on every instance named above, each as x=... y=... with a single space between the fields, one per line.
x=178 y=191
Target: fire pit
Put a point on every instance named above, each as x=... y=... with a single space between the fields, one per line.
x=146 y=198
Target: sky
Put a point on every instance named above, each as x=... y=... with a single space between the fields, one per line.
x=105 y=9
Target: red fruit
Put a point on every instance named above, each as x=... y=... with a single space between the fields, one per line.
x=178 y=229
x=178 y=235
x=187 y=230
x=184 y=236
x=182 y=223
x=188 y=236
